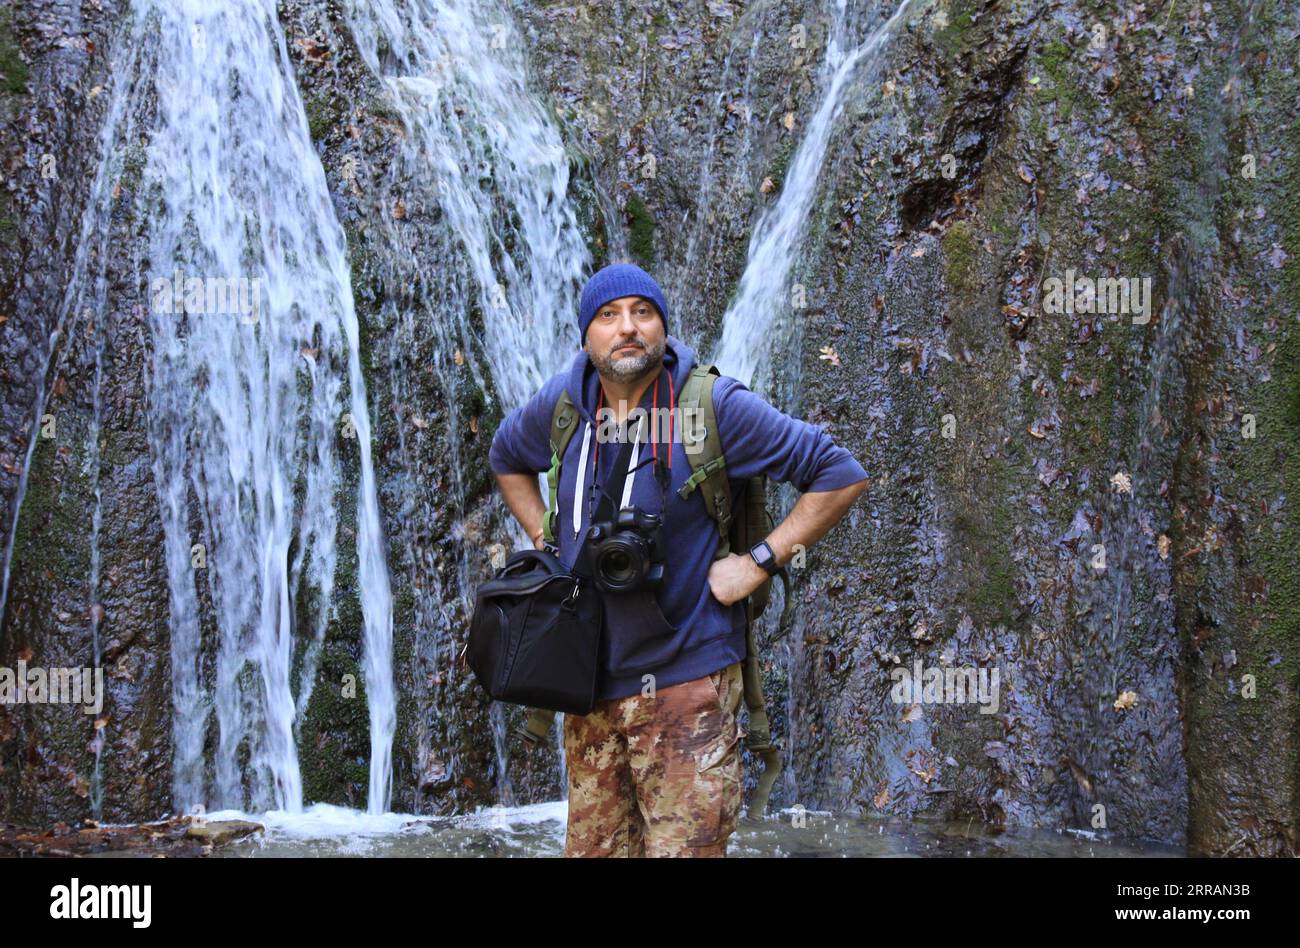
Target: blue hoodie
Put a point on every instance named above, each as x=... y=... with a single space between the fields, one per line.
x=689 y=634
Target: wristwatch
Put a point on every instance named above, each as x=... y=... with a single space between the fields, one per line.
x=764 y=557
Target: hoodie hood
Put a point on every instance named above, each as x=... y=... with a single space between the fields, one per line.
x=583 y=383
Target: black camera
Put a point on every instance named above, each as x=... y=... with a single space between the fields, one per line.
x=627 y=552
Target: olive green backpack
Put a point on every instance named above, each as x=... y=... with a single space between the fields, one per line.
x=735 y=533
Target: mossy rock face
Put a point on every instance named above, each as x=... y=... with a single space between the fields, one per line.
x=993 y=431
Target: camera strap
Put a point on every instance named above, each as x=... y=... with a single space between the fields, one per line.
x=611 y=495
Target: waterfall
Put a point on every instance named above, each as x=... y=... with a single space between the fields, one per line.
x=255 y=381
x=486 y=257
x=481 y=146
x=761 y=307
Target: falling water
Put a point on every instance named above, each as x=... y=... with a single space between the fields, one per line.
x=483 y=148
x=760 y=309
x=480 y=149
x=254 y=341
x=761 y=302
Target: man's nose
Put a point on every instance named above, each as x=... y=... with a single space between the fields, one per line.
x=627 y=325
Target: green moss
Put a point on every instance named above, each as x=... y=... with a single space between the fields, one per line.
x=382 y=107
x=403 y=603
x=12 y=68
x=335 y=733
x=960 y=259
x=319 y=118
x=49 y=544
x=781 y=161
x=1275 y=454
x=1061 y=86
x=1053 y=58
x=641 y=224
x=960 y=21
x=982 y=531
x=982 y=489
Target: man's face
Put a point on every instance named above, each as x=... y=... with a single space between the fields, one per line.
x=626 y=339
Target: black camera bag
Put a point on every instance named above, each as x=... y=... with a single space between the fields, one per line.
x=535 y=636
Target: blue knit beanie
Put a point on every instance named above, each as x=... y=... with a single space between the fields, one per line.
x=611 y=283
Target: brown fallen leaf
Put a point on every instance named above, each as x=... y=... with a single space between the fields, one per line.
x=1126 y=700
x=830 y=355
x=881 y=798
x=314 y=50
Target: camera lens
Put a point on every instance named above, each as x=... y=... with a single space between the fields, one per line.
x=618 y=565
x=621 y=563
x=624 y=552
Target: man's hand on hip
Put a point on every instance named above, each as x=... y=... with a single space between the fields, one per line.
x=735 y=577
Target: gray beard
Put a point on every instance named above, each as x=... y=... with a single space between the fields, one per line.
x=629 y=368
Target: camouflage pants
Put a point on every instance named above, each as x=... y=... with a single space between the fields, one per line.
x=657 y=776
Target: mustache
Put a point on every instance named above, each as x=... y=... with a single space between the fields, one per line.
x=624 y=345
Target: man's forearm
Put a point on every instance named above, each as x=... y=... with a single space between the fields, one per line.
x=524 y=498
x=811 y=517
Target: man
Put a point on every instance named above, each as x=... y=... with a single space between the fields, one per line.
x=654 y=769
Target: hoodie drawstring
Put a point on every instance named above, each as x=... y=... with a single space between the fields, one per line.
x=632 y=464
x=582 y=471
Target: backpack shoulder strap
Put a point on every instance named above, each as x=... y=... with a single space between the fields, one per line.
x=704 y=452
x=564 y=422
x=709 y=474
